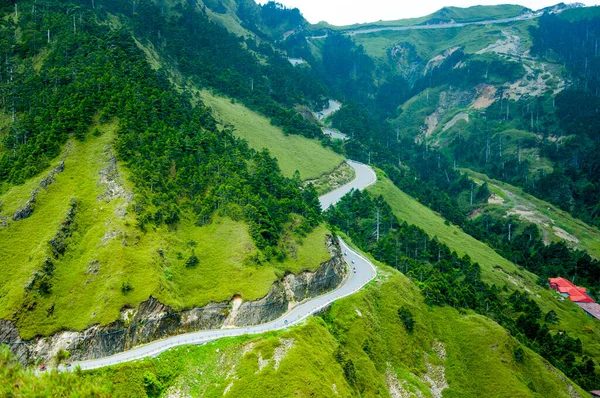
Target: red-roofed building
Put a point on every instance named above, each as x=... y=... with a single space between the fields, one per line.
x=576 y=294
x=567 y=289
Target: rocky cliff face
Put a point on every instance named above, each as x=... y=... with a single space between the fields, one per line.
x=153 y=320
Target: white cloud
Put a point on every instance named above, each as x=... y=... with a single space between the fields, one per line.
x=346 y=12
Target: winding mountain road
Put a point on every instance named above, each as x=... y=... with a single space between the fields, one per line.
x=365 y=176
x=361 y=271
x=445 y=25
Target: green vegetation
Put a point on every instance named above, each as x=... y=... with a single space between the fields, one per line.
x=578 y=14
x=447 y=279
x=415 y=110
x=410 y=210
x=179 y=162
x=495 y=269
x=300 y=361
x=107 y=251
x=588 y=238
x=469 y=352
x=225 y=14
x=479 y=13
x=191 y=210
x=429 y=42
x=329 y=182
x=293 y=152
x=19 y=382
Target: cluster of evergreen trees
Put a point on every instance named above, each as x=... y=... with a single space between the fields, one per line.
x=245 y=69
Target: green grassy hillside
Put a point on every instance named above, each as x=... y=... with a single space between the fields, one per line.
x=429 y=42
x=359 y=347
x=293 y=152
x=411 y=211
x=494 y=268
x=224 y=12
x=106 y=250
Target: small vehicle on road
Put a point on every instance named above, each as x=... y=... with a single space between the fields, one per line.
x=355 y=270
x=68 y=364
x=352 y=261
x=345 y=253
x=43 y=367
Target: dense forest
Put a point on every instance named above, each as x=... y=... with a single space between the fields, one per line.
x=428 y=175
x=179 y=159
x=250 y=71
x=575 y=43
x=564 y=128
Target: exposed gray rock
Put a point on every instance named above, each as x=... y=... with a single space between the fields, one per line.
x=93 y=267
x=294 y=289
x=10 y=333
x=49 y=179
x=26 y=210
x=153 y=320
x=110 y=180
x=266 y=309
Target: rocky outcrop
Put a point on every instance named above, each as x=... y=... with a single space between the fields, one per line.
x=110 y=180
x=26 y=210
x=407 y=60
x=49 y=179
x=152 y=320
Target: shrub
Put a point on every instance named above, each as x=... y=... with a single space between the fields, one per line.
x=126 y=287
x=192 y=261
x=519 y=355
x=407 y=319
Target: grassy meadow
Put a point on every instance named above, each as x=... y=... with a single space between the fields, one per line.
x=293 y=152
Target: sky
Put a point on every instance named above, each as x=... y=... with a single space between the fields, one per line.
x=347 y=12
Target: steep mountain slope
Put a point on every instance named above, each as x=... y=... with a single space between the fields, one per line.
x=115 y=189
x=493 y=101
x=494 y=268
x=556 y=224
x=293 y=152
x=360 y=346
x=170 y=204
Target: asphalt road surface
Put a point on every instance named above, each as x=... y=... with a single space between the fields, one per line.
x=361 y=271
x=443 y=25
x=334 y=133
x=446 y=25
x=365 y=176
